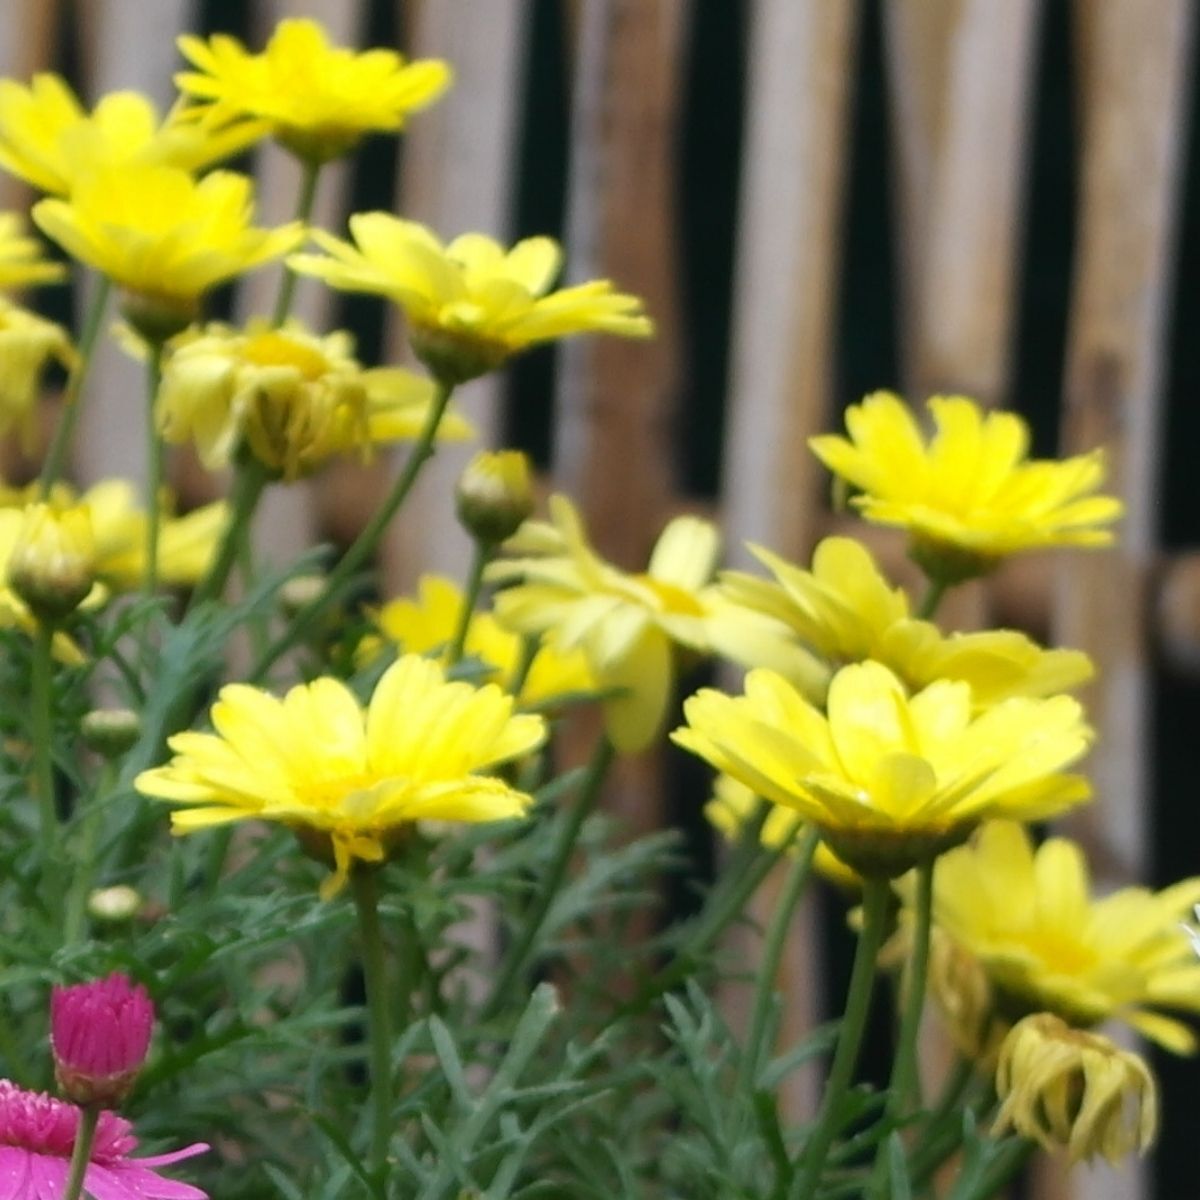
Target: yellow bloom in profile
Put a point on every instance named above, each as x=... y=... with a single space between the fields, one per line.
x=28 y=344
x=50 y=141
x=971 y=495
x=52 y=564
x=733 y=805
x=164 y=237
x=846 y=611
x=293 y=398
x=317 y=100
x=21 y=261
x=349 y=778
x=891 y=780
x=427 y=624
x=1076 y=1091
x=471 y=304
x=626 y=625
x=1029 y=918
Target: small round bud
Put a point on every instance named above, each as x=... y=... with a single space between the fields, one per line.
x=53 y=562
x=495 y=494
x=115 y=904
x=110 y=731
x=299 y=592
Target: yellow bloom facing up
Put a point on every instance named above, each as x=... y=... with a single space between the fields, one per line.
x=293 y=398
x=846 y=611
x=28 y=344
x=1029 y=918
x=50 y=141
x=891 y=780
x=1075 y=1091
x=970 y=496
x=427 y=624
x=471 y=304
x=733 y=804
x=318 y=100
x=348 y=778
x=627 y=625
x=164 y=237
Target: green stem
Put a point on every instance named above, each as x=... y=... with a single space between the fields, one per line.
x=304 y=207
x=876 y=897
x=81 y=1155
x=986 y=1182
x=768 y=969
x=479 y=560
x=530 y=645
x=248 y=485
x=932 y=599
x=55 y=456
x=365 y=883
x=83 y=864
x=154 y=466
x=903 y=1084
x=42 y=702
x=517 y=956
x=364 y=545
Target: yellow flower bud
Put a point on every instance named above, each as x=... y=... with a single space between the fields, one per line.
x=1078 y=1091
x=52 y=567
x=495 y=494
x=110 y=731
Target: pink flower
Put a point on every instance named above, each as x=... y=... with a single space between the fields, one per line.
x=99 y=1033
x=37 y=1134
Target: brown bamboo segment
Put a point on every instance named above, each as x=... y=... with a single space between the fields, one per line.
x=1134 y=71
x=801 y=66
x=458 y=175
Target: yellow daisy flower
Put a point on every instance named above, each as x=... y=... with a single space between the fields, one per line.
x=845 y=610
x=50 y=141
x=293 y=398
x=21 y=261
x=426 y=625
x=351 y=780
x=625 y=624
x=1075 y=1091
x=891 y=780
x=164 y=237
x=472 y=304
x=52 y=563
x=317 y=100
x=970 y=496
x=1028 y=916
x=28 y=344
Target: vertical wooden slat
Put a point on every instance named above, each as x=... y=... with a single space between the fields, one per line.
x=1135 y=88
x=800 y=72
x=458 y=175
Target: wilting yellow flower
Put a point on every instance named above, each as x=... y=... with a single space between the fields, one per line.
x=28 y=343
x=21 y=261
x=1076 y=1091
x=318 y=100
x=163 y=236
x=350 y=779
x=846 y=611
x=733 y=805
x=494 y=494
x=470 y=305
x=971 y=496
x=625 y=624
x=1029 y=917
x=891 y=780
x=293 y=398
x=52 y=565
x=47 y=139
x=427 y=624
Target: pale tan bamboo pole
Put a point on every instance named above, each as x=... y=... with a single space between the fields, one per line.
x=1135 y=82
x=801 y=64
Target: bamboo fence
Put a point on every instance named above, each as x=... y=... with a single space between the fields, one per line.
x=960 y=98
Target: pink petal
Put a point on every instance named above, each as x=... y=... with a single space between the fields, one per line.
x=162 y=1160
x=102 y=1183
x=14 y=1173
x=143 y=1183
x=48 y=1177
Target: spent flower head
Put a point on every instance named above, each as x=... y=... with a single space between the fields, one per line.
x=471 y=305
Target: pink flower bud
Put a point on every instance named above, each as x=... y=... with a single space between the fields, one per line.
x=99 y=1034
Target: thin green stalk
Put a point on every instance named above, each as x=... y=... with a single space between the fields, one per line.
x=932 y=599
x=365 y=884
x=304 y=207
x=83 y=859
x=986 y=1182
x=42 y=702
x=768 y=968
x=55 y=456
x=479 y=560
x=876 y=896
x=530 y=645
x=517 y=956
x=248 y=485
x=903 y=1084
x=364 y=545
x=81 y=1155
x=154 y=466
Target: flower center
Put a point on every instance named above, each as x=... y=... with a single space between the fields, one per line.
x=671 y=599
x=273 y=349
